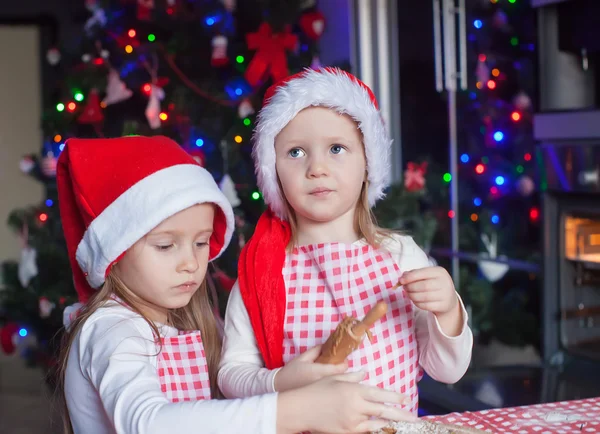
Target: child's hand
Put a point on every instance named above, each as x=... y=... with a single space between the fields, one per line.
x=303 y=371
x=432 y=289
x=339 y=405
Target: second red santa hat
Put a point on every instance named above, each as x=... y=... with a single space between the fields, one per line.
x=107 y=204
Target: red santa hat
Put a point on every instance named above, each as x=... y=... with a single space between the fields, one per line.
x=326 y=87
x=112 y=192
x=261 y=262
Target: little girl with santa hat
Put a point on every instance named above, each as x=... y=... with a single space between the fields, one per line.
x=322 y=156
x=142 y=219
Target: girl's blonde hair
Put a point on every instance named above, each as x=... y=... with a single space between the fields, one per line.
x=196 y=315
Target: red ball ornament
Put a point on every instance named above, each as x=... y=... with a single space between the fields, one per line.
x=9 y=335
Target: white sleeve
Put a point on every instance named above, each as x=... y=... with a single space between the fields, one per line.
x=117 y=358
x=242 y=372
x=444 y=358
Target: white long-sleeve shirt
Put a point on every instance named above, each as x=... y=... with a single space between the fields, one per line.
x=444 y=358
x=112 y=386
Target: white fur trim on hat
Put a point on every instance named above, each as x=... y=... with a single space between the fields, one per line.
x=331 y=88
x=140 y=209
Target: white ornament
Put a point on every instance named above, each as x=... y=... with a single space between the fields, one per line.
x=27 y=266
x=482 y=72
x=227 y=186
x=522 y=101
x=116 y=90
x=305 y=4
x=26 y=164
x=53 y=56
x=86 y=57
x=219 y=53
x=153 y=108
x=525 y=186
x=229 y=5
x=491 y=270
x=245 y=109
x=46 y=307
x=70 y=313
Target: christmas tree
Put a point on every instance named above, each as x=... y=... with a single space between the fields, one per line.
x=193 y=70
x=499 y=210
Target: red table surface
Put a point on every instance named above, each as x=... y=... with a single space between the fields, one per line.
x=565 y=417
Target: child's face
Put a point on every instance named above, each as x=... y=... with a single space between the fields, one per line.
x=321 y=164
x=167 y=266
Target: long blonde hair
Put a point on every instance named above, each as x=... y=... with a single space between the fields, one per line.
x=196 y=315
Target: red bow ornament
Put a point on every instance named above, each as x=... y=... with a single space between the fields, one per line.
x=414 y=176
x=270 y=53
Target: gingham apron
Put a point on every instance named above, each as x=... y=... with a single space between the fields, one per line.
x=325 y=283
x=182 y=368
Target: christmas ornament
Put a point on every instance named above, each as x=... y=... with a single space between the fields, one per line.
x=219 y=52
x=70 y=313
x=307 y=4
x=525 y=186
x=9 y=337
x=482 y=72
x=522 y=101
x=157 y=94
x=46 y=307
x=144 y=9
x=198 y=155
x=313 y=24
x=229 y=5
x=414 y=176
x=92 y=112
x=49 y=164
x=153 y=108
x=98 y=18
x=116 y=90
x=27 y=269
x=27 y=266
x=27 y=164
x=86 y=57
x=53 y=56
x=270 y=54
x=245 y=109
x=227 y=186
x=491 y=270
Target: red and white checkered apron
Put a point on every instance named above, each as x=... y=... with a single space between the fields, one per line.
x=182 y=368
x=325 y=283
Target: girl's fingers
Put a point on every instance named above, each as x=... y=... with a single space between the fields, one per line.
x=378 y=395
x=388 y=412
x=422 y=286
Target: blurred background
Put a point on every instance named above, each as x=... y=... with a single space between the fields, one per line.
x=492 y=104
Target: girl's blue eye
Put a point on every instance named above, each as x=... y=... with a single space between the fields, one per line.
x=337 y=149
x=296 y=153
